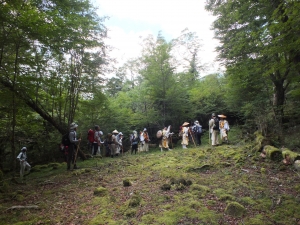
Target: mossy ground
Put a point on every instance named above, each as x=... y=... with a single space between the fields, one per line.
x=217 y=177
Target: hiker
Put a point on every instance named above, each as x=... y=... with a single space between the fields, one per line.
x=107 y=143
x=146 y=140
x=96 y=141
x=73 y=146
x=134 y=142
x=164 y=144
x=100 y=142
x=197 y=130
x=119 y=148
x=214 y=129
x=90 y=137
x=224 y=128
x=114 y=143
x=142 y=142
x=185 y=135
x=22 y=157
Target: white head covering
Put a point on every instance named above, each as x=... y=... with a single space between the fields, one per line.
x=145 y=129
x=73 y=125
x=24 y=149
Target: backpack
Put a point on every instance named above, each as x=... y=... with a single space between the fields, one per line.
x=197 y=129
x=91 y=136
x=65 y=140
x=216 y=126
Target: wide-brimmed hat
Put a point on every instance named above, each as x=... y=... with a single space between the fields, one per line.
x=185 y=124
x=145 y=129
x=196 y=122
x=115 y=132
x=121 y=133
x=73 y=125
x=100 y=132
x=222 y=116
x=24 y=149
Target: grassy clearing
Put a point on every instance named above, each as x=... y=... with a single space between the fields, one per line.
x=223 y=185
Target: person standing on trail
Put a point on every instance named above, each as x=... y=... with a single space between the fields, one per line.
x=164 y=144
x=134 y=142
x=73 y=146
x=114 y=143
x=214 y=129
x=197 y=130
x=185 y=135
x=22 y=157
x=224 y=128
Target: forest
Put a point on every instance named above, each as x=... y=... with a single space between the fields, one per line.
x=54 y=67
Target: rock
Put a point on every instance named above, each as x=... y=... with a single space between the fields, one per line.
x=235 y=209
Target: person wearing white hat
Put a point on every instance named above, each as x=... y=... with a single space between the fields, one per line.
x=224 y=128
x=73 y=146
x=22 y=157
x=146 y=140
x=114 y=143
x=197 y=130
x=164 y=144
x=185 y=135
x=119 y=146
x=97 y=140
x=214 y=129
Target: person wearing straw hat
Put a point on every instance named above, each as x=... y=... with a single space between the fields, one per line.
x=224 y=128
x=185 y=135
x=214 y=130
x=114 y=143
x=72 y=148
x=164 y=143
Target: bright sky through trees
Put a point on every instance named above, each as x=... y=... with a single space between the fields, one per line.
x=132 y=20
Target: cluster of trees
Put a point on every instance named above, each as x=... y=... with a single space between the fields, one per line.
x=54 y=59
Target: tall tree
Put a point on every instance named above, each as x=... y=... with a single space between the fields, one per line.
x=258 y=36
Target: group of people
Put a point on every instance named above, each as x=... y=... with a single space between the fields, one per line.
x=218 y=127
x=139 y=141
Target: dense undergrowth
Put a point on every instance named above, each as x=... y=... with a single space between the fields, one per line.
x=228 y=184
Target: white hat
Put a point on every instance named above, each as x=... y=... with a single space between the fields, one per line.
x=145 y=129
x=24 y=149
x=196 y=122
x=222 y=116
x=185 y=124
x=120 y=133
x=73 y=125
x=115 y=132
x=100 y=132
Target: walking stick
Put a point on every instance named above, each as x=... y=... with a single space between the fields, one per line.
x=77 y=150
x=171 y=141
x=192 y=137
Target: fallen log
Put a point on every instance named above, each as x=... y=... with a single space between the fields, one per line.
x=272 y=153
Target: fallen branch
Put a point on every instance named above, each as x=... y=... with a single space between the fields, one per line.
x=23 y=207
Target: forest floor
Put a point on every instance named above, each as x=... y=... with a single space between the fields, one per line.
x=227 y=184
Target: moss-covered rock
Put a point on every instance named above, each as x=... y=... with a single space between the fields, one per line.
x=134 y=201
x=235 y=209
x=165 y=187
x=100 y=191
x=127 y=182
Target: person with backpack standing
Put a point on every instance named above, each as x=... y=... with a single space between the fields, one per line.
x=22 y=157
x=214 y=130
x=73 y=146
x=90 y=137
x=197 y=130
x=134 y=142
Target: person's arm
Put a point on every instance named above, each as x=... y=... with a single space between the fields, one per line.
x=72 y=138
x=20 y=157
